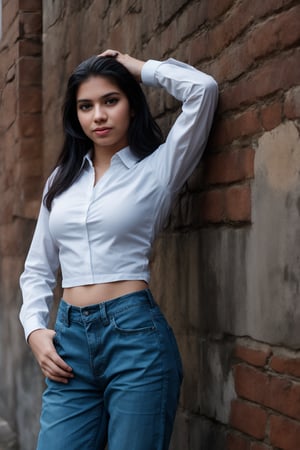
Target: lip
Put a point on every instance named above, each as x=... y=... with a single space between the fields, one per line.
x=102 y=131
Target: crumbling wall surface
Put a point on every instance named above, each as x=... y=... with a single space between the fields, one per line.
x=20 y=190
x=226 y=268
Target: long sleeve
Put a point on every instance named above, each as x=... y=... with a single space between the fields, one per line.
x=176 y=159
x=94 y=243
x=39 y=277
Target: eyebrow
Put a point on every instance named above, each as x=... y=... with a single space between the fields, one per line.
x=109 y=94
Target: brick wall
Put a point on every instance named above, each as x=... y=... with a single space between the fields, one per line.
x=266 y=413
x=20 y=190
x=227 y=265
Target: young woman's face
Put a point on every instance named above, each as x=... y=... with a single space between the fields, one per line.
x=104 y=114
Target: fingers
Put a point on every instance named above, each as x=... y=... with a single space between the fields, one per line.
x=111 y=53
x=132 y=64
x=55 y=368
x=51 y=364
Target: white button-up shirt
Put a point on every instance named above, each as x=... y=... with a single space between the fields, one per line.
x=104 y=232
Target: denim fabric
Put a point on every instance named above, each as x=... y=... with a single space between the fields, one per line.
x=127 y=378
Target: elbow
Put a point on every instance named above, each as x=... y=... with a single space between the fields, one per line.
x=212 y=88
x=211 y=92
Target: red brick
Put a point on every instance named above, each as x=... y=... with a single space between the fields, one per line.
x=271 y=115
x=30 y=99
x=7 y=204
x=30 y=47
x=31 y=23
x=277 y=33
x=30 y=71
x=238 y=21
x=286 y=365
x=235 y=441
x=12 y=242
x=250 y=383
x=169 y=37
x=229 y=166
x=168 y=9
x=281 y=72
x=31 y=188
x=212 y=206
x=284 y=433
x=240 y=17
x=259 y=446
x=192 y=18
x=236 y=127
x=8 y=98
x=215 y=8
x=283 y=395
x=292 y=103
x=238 y=203
x=188 y=22
x=254 y=356
x=248 y=418
x=198 y=49
x=30 y=125
x=31 y=168
x=230 y=63
x=195 y=182
x=30 y=5
x=261 y=9
x=9 y=15
x=227 y=30
x=30 y=147
x=279 y=394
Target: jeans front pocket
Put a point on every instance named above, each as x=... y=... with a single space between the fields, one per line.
x=134 y=320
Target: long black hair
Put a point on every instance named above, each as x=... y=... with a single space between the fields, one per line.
x=144 y=135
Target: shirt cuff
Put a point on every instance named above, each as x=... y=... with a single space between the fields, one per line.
x=33 y=324
x=148 y=73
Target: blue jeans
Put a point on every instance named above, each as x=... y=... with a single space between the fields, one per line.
x=127 y=378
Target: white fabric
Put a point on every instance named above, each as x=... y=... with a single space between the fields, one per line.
x=104 y=233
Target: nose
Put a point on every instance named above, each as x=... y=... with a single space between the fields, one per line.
x=99 y=113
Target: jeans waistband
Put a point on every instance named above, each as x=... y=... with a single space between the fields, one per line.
x=69 y=313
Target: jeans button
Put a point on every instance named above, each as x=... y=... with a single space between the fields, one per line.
x=86 y=313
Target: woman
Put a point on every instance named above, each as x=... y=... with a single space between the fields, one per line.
x=112 y=366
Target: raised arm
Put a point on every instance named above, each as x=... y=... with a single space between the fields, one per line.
x=176 y=159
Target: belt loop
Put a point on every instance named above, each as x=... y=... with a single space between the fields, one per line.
x=150 y=298
x=64 y=311
x=103 y=314
x=67 y=315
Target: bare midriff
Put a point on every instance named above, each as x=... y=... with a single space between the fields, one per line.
x=97 y=293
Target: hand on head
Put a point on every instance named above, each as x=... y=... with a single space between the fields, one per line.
x=132 y=64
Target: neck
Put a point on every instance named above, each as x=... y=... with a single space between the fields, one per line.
x=102 y=157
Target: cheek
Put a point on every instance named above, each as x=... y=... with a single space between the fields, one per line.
x=82 y=120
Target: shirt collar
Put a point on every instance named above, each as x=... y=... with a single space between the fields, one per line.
x=128 y=158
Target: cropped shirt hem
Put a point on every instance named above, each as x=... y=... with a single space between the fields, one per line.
x=105 y=278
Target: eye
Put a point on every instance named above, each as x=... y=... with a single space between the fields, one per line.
x=85 y=106
x=111 y=101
